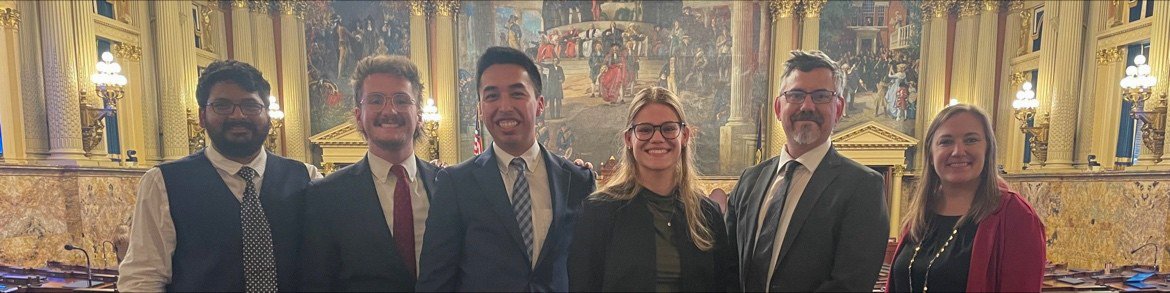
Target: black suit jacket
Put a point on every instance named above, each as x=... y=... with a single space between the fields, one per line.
x=473 y=242
x=837 y=237
x=347 y=245
x=614 y=250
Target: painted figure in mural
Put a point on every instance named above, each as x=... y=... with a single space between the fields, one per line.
x=667 y=77
x=896 y=76
x=569 y=44
x=342 y=47
x=554 y=94
x=613 y=75
x=547 y=47
x=514 y=33
x=565 y=138
x=852 y=84
x=809 y=219
x=380 y=201
x=596 y=61
x=198 y=222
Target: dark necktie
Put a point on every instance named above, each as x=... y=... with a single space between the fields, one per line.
x=522 y=202
x=403 y=219
x=761 y=258
x=259 y=263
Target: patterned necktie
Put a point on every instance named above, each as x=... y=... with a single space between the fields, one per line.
x=761 y=258
x=259 y=263
x=403 y=219
x=522 y=202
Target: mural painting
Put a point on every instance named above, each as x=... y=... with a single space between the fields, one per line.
x=595 y=55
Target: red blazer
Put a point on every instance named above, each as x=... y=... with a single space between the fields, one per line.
x=1008 y=254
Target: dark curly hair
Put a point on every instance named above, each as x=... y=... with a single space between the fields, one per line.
x=506 y=55
x=242 y=74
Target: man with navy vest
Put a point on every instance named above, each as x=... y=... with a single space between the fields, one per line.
x=502 y=221
x=226 y=218
x=364 y=224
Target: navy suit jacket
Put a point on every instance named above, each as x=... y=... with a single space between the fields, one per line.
x=347 y=245
x=472 y=241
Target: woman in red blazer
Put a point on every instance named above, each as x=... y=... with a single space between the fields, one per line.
x=966 y=230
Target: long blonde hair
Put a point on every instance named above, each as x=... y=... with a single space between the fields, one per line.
x=987 y=195
x=624 y=183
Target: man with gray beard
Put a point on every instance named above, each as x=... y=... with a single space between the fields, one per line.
x=809 y=219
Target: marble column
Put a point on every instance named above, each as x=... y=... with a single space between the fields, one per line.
x=1066 y=84
x=933 y=97
x=783 y=40
x=294 y=91
x=59 y=49
x=1110 y=64
x=1009 y=138
x=87 y=56
x=965 y=50
x=1160 y=64
x=419 y=13
x=983 y=91
x=896 y=200
x=32 y=94
x=736 y=138
x=12 y=118
x=443 y=78
x=811 y=36
x=172 y=80
x=241 y=32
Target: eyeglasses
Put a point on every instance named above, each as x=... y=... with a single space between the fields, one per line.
x=818 y=96
x=401 y=102
x=669 y=130
x=227 y=108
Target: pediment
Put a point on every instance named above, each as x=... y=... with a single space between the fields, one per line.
x=873 y=135
x=345 y=134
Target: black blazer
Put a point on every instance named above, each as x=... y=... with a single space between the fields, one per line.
x=614 y=250
x=347 y=245
x=473 y=242
x=836 y=240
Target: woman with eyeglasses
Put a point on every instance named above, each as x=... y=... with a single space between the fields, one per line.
x=650 y=228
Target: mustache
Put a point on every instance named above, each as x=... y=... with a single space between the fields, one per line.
x=807 y=116
x=247 y=125
x=399 y=119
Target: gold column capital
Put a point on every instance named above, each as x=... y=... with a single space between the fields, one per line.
x=239 y=3
x=419 y=7
x=991 y=5
x=812 y=8
x=446 y=7
x=10 y=18
x=969 y=8
x=937 y=8
x=899 y=171
x=1015 y=5
x=259 y=6
x=782 y=8
x=127 y=52
x=1018 y=78
x=1109 y=55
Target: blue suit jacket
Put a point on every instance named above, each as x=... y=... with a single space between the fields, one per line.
x=472 y=241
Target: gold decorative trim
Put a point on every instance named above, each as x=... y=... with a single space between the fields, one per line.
x=937 y=8
x=968 y=8
x=127 y=52
x=893 y=139
x=291 y=7
x=446 y=8
x=1018 y=79
x=782 y=8
x=1016 y=5
x=10 y=18
x=1109 y=55
x=239 y=4
x=812 y=8
x=195 y=139
x=419 y=7
x=992 y=5
x=259 y=6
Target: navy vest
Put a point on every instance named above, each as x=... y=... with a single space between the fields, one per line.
x=209 y=239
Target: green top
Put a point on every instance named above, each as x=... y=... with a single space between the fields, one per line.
x=668 y=267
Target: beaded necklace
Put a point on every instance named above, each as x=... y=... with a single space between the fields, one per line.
x=926 y=276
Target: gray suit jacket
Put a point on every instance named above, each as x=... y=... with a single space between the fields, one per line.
x=837 y=237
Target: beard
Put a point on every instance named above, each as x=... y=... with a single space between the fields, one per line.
x=238 y=148
x=806 y=134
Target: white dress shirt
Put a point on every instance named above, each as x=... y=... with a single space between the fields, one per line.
x=538 y=189
x=384 y=184
x=147 y=266
x=800 y=177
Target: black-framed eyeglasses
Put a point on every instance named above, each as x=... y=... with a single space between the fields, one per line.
x=226 y=108
x=818 y=96
x=401 y=102
x=669 y=130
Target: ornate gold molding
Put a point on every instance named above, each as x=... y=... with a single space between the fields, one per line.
x=1018 y=79
x=239 y=4
x=10 y=18
x=291 y=7
x=1109 y=55
x=812 y=8
x=446 y=7
x=937 y=8
x=127 y=52
x=899 y=170
x=991 y=5
x=969 y=8
x=1015 y=5
x=259 y=6
x=419 y=7
x=195 y=139
x=782 y=8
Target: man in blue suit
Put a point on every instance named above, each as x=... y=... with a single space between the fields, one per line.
x=502 y=221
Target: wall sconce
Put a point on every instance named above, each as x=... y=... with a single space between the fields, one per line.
x=277 y=117
x=430 y=117
x=108 y=83
x=1137 y=87
x=1025 y=105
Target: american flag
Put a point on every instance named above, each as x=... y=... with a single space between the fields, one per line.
x=477 y=143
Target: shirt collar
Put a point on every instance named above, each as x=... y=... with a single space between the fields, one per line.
x=809 y=160
x=531 y=157
x=381 y=167
x=232 y=167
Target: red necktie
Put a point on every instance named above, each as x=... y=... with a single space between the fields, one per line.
x=403 y=219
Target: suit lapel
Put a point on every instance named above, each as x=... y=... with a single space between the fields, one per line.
x=752 y=204
x=825 y=174
x=492 y=185
x=426 y=173
x=369 y=210
x=558 y=187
